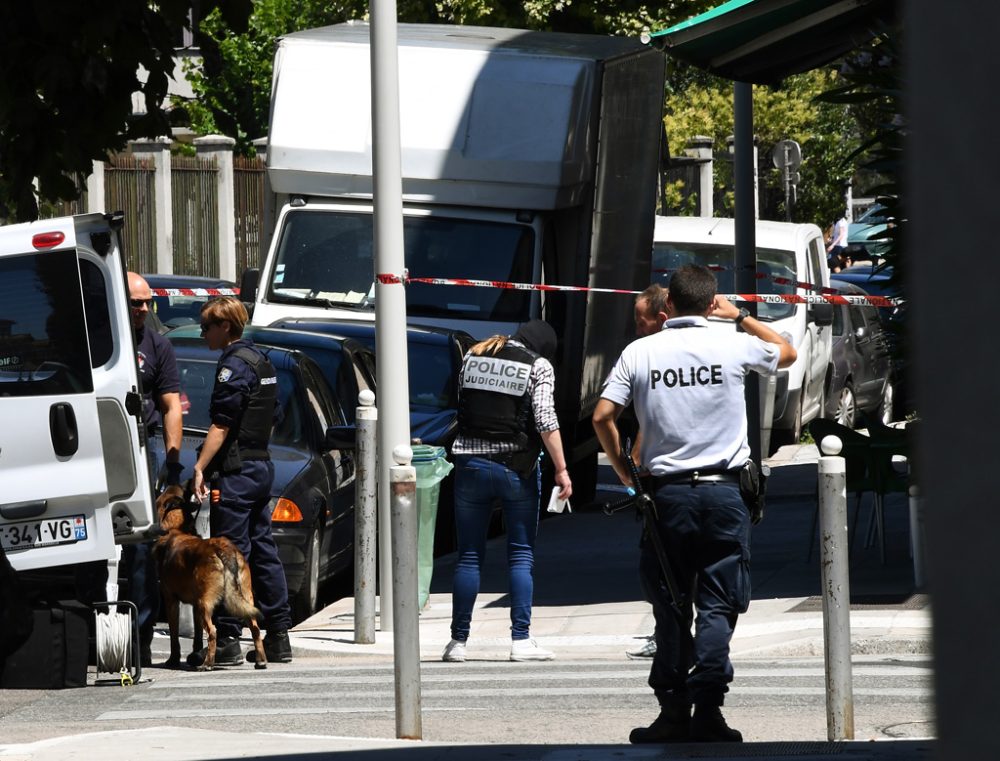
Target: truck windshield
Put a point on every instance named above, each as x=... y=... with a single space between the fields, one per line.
x=325 y=258
x=771 y=263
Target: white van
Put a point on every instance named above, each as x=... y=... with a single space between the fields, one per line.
x=73 y=473
x=784 y=250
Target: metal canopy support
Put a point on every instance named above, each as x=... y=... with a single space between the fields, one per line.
x=746 y=242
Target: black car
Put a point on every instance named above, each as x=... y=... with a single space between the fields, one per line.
x=183 y=306
x=312 y=498
x=861 y=376
x=881 y=281
x=434 y=358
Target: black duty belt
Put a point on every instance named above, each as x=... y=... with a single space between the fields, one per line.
x=694 y=477
x=254 y=454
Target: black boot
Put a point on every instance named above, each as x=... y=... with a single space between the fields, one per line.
x=227 y=653
x=709 y=726
x=671 y=726
x=277 y=648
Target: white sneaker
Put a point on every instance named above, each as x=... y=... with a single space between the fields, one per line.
x=528 y=650
x=648 y=650
x=454 y=652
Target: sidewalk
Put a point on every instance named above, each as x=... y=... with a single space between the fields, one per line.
x=588 y=604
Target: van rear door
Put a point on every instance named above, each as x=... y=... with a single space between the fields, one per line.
x=72 y=457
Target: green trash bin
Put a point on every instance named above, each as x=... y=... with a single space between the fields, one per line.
x=431 y=466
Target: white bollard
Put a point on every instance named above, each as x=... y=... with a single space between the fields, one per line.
x=365 y=486
x=405 y=593
x=836 y=591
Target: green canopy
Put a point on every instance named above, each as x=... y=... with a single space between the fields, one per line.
x=763 y=41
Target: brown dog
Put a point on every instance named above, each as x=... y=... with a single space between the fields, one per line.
x=201 y=573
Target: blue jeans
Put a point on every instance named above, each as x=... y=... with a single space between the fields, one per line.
x=706 y=535
x=479 y=484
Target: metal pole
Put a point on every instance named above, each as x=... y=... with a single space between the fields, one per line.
x=364 y=521
x=917 y=537
x=836 y=591
x=746 y=243
x=406 y=638
x=390 y=298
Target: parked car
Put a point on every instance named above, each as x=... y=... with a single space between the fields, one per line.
x=867 y=236
x=880 y=281
x=183 y=308
x=434 y=357
x=786 y=253
x=861 y=367
x=312 y=497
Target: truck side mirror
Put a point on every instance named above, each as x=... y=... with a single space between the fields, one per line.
x=821 y=314
x=248 y=285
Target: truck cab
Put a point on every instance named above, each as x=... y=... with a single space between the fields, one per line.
x=787 y=254
x=72 y=447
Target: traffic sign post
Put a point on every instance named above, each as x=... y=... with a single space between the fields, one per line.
x=787 y=156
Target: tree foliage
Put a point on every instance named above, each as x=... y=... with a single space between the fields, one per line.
x=826 y=131
x=70 y=68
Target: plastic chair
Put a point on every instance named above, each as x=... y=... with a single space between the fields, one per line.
x=887 y=444
x=858 y=464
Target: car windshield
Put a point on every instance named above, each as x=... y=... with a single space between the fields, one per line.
x=668 y=257
x=326 y=258
x=197 y=381
x=875 y=215
x=179 y=310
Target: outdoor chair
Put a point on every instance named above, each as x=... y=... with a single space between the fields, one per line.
x=891 y=473
x=858 y=465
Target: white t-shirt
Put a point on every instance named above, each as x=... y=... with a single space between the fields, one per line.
x=687 y=385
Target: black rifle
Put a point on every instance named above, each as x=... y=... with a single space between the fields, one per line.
x=646 y=508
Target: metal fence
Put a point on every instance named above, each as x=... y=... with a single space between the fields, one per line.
x=128 y=187
x=248 y=198
x=194 y=200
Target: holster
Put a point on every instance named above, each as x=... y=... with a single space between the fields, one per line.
x=753 y=486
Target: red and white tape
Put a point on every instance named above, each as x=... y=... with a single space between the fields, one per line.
x=833 y=297
x=195 y=291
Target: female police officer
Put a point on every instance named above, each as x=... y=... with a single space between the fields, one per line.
x=505 y=415
x=687 y=385
x=234 y=457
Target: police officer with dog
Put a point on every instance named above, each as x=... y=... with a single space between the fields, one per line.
x=235 y=469
x=687 y=383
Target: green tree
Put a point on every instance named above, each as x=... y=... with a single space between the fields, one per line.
x=827 y=133
x=70 y=68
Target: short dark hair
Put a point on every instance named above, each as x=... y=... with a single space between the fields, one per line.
x=655 y=297
x=692 y=289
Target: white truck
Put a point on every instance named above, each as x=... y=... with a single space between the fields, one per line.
x=527 y=157
x=73 y=474
x=794 y=253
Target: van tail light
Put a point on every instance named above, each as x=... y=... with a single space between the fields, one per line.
x=47 y=240
x=286 y=511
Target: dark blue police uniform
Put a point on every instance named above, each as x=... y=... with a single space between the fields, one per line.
x=240 y=497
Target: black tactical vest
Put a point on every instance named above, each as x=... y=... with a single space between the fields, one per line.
x=254 y=432
x=494 y=402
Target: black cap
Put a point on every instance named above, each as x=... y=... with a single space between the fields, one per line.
x=538 y=336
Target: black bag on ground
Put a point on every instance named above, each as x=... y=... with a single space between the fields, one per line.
x=55 y=655
x=753 y=486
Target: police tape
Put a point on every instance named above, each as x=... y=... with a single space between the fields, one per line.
x=763 y=298
x=195 y=291
x=778 y=279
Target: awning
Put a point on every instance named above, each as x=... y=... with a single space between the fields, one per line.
x=764 y=41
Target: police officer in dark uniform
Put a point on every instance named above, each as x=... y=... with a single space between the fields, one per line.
x=162 y=415
x=687 y=383
x=234 y=460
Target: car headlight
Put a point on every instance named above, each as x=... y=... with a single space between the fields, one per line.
x=284 y=510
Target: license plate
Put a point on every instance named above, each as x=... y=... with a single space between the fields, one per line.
x=47 y=532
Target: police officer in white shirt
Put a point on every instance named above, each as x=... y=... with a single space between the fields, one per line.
x=687 y=386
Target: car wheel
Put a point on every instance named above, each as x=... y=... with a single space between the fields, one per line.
x=886 y=408
x=847 y=408
x=783 y=436
x=305 y=601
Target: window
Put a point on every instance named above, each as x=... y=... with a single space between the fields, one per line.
x=43 y=336
x=95 y=303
